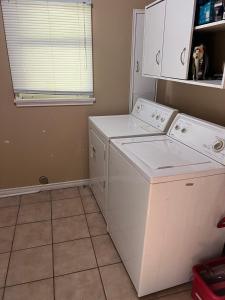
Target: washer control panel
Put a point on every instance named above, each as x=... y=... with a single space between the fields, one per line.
x=156 y=115
x=200 y=135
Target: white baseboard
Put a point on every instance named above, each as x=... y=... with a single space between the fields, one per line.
x=43 y=187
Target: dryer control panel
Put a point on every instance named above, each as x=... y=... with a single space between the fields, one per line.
x=156 y=115
x=205 y=137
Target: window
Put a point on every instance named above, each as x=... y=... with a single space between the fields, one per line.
x=50 y=50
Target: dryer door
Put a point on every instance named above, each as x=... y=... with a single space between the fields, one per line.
x=97 y=168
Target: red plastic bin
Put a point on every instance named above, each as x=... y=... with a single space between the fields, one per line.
x=203 y=291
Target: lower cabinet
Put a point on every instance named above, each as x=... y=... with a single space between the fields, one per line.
x=97 y=168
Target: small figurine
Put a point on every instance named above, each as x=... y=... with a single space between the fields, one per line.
x=200 y=63
x=218 y=10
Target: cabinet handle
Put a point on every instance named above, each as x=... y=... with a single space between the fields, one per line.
x=157 y=58
x=137 y=67
x=182 y=56
x=92 y=152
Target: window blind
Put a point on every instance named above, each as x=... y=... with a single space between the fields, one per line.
x=49 y=45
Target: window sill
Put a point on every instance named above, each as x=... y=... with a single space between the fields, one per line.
x=53 y=102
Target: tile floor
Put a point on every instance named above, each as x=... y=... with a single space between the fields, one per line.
x=54 y=246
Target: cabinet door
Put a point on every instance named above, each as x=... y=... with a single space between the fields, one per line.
x=97 y=168
x=140 y=86
x=153 y=39
x=177 y=38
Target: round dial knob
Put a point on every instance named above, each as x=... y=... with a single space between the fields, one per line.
x=219 y=145
x=162 y=120
x=177 y=127
x=183 y=130
x=157 y=117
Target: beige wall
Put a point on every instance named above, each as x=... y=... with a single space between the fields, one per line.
x=61 y=153
x=201 y=102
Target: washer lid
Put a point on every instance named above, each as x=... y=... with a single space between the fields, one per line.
x=122 y=126
x=162 y=159
x=165 y=154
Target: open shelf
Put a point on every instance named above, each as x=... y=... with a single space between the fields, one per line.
x=211 y=27
x=217 y=84
x=208 y=83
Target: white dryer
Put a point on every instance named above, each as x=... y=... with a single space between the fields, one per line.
x=147 y=118
x=166 y=196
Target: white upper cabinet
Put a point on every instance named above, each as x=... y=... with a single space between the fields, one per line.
x=168 y=39
x=153 y=39
x=140 y=86
x=179 y=21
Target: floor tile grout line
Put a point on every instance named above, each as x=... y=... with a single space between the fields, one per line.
x=88 y=229
x=66 y=217
x=94 y=249
x=70 y=198
x=39 y=221
x=8 y=206
x=42 y=201
x=56 y=276
x=8 y=226
x=97 y=212
x=77 y=195
x=34 y=222
x=83 y=270
x=60 y=275
x=53 y=263
x=52 y=277
x=29 y=248
x=56 y=243
x=10 y=253
x=80 y=271
x=48 y=244
x=40 y=192
x=94 y=212
x=27 y=282
x=46 y=220
x=36 y=202
x=95 y=268
x=4 y=252
x=108 y=265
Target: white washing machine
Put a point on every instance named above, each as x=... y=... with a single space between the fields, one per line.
x=147 y=118
x=166 y=196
